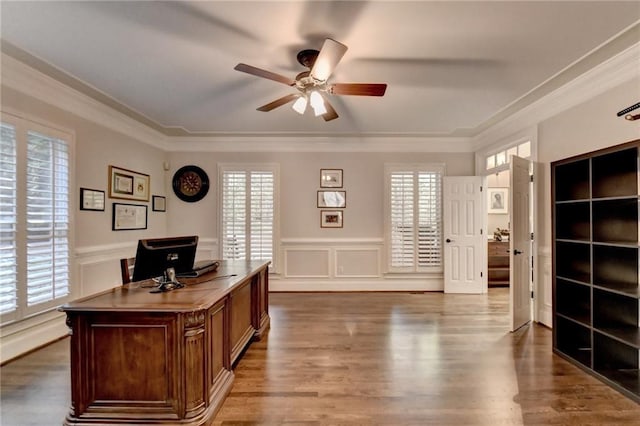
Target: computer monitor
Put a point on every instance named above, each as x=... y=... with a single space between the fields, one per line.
x=154 y=256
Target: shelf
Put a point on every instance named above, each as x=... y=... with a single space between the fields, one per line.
x=615 y=174
x=616 y=243
x=626 y=290
x=626 y=335
x=615 y=220
x=616 y=268
x=616 y=361
x=574 y=340
x=573 y=221
x=575 y=181
x=573 y=260
x=616 y=314
x=573 y=301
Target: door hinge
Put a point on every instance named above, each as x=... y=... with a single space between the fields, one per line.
x=480 y=231
x=531 y=178
x=481 y=274
x=532 y=236
x=532 y=294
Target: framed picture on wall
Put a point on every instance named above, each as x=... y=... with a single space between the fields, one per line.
x=498 y=201
x=128 y=217
x=91 y=199
x=337 y=199
x=159 y=203
x=331 y=218
x=128 y=185
x=330 y=178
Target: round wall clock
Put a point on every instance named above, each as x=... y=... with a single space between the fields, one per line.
x=190 y=183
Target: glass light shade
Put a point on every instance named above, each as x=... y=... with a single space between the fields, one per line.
x=300 y=105
x=317 y=103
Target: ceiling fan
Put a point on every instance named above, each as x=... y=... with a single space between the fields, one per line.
x=312 y=85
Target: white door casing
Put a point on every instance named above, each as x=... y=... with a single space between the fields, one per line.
x=519 y=243
x=465 y=243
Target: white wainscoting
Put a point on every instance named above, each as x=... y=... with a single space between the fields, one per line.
x=352 y=264
x=545 y=287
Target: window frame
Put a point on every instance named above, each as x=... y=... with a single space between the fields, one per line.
x=249 y=168
x=413 y=168
x=23 y=125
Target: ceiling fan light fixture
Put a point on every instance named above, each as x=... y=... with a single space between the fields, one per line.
x=317 y=103
x=300 y=105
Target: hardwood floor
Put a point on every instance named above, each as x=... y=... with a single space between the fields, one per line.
x=372 y=359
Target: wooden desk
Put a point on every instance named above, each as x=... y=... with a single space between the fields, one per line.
x=163 y=358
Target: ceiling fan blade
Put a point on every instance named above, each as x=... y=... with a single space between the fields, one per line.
x=278 y=102
x=264 y=74
x=331 y=113
x=358 y=89
x=328 y=58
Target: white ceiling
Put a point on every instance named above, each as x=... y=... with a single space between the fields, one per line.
x=452 y=67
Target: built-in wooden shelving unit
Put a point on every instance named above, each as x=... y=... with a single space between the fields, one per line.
x=596 y=256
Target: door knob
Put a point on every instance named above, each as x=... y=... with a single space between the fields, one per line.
x=448 y=240
x=515 y=251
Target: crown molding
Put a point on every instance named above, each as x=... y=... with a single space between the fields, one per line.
x=617 y=70
x=16 y=75
x=321 y=144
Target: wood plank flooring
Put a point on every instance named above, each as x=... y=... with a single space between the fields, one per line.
x=372 y=359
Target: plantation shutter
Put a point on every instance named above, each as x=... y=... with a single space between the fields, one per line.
x=429 y=219
x=234 y=215
x=262 y=207
x=47 y=218
x=402 y=223
x=248 y=201
x=8 y=220
x=415 y=219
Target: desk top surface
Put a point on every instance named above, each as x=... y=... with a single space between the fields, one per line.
x=198 y=293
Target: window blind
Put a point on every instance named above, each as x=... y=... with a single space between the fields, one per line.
x=262 y=196
x=8 y=219
x=234 y=215
x=248 y=209
x=47 y=218
x=415 y=209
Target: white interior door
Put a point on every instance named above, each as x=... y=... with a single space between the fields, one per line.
x=519 y=243
x=465 y=244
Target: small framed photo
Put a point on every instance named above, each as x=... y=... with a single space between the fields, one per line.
x=159 y=204
x=498 y=201
x=330 y=178
x=331 y=218
x=336 y=199
x=91 y=199
x=127 y=217
x=128 y=185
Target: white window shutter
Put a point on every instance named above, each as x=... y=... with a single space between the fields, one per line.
x=8 y=220
x=429 y=219
x=402 y=220
x=415 y=218
x=234 y=214
x=47 y=218
x=248 y=212
x=262 y=208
